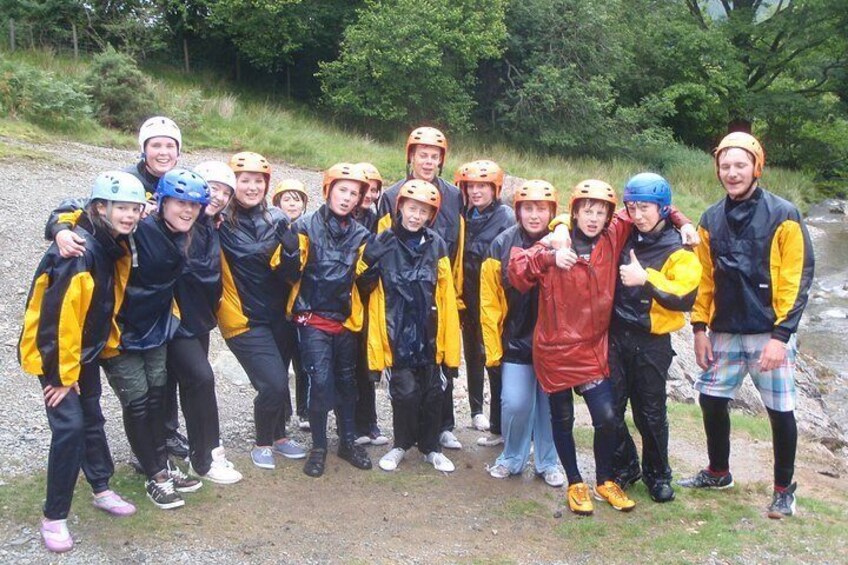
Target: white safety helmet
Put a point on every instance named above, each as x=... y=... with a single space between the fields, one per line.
x=216 y=171
x=118 y=186
x=159 y=126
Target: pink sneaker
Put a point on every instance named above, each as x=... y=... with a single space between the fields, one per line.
x=110 y=502
x=56 y=536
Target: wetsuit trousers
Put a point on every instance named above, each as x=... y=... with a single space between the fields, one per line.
x=416 y=396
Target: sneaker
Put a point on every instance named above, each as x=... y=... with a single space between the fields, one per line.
x=449 y=441
x=221 y=471
x=579 y=500
x=376 y=436
x=783 y=503
x=263 y=457
x=362 y=440
x=355 y=455
x=391 y=460
x=706 y=479
x=315 y=463
x=440 y=462
x=490 y=440
x=289 y=448
x=612 y=493
x=163 y=494
x=110 y=502
x=499 y=471
x=480 y=422
x=553 y=477
x=177 y=445
x=661 y=491
x=56 y=536
x=628 y=477
x=182 y=482
x=303 y=425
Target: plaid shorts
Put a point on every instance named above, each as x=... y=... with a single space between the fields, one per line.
x=736 y=355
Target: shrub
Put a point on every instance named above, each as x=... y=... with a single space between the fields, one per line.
x=122 y=93
x=41 y=96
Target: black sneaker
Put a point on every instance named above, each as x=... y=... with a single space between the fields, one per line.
x=628 y=478
x=177 y=445
x=355 y=455
x=182 y=482
x=783 y=503
x=661 y=491
x=163 y=494
x=315 y=461
x=705 y=479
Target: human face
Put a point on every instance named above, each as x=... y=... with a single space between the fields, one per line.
x=414 y=215
x=736 y=172
x=250 y=188
x=371 y=195
x=645 y=215
x=179 y=215
x=534 y=217
x=219 y=196
x=123 y=216
x=480 y=194
x=591 y=216
x=291 y=203
x=425 y=162
x=160 y=155
x=344 y=196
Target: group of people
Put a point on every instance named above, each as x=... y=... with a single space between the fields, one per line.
x=388 y=282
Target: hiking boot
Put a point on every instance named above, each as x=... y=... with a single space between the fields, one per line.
x=56 y=536
x=163 y=494
x=262 y=457
x=315 y=462
x=449 y=441
x=660 y=491
x=440 y=462
x=110 y=502
x=391 y=460
x=221 y=471
x=355 y=455
x=480 y=423
x=579 y=500
x=627 y=478
x=177 y=445
x=706 y=479
x=612 y=493
x=553 y=477
x=490 y=440
x=783 y=502
x=182 y=482
x=499 y=471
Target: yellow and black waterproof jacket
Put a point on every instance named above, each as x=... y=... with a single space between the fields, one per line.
x=674 y=272
x=252 y=290
x=322 y=271
x=481 y=229
x=449 y=224
x=507 y=317
x=413 y=319
x=758 y=266
x=198 y=290
x=70 y=307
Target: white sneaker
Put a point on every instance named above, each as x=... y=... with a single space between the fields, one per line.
x=303 y=425
x=499 y=471
x=480 y=422
x=490 y=440
x=391 y=460
x=380 y=439
x=440 y=462
x=448 y=440
x=362 y=440
x=221 y=471
x=553 y=477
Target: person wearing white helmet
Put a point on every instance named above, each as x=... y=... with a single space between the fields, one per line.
x=160 y=142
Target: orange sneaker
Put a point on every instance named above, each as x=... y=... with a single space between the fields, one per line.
x=579 y=500
x=612 y=493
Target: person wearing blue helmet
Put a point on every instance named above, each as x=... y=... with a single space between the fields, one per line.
x=658 y=282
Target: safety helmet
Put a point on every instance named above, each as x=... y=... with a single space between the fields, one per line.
x=649 y=187
x=344 y=171
x=427 y=136
x=421 y=191
x=747 y=142
x=250 y=162
x=181 y=184
x=289 y=185
x=480 y=171
x=118 y=186
x=216 y=171
x=159 y=126
x=535 y=191
x=371 y=172
x=594 y=190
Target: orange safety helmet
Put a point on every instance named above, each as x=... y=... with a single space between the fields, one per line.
x=480 y=171
x=289 y=185
x=344 y=171
x=747 y=142
x=371 y=172
x=250 y=162
x=427 y=136
x=421 y=191
x=594 y=190
x=536 y=191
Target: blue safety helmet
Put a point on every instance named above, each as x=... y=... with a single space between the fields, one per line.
x=649 y=187
x=182 y=185
x=118 y=186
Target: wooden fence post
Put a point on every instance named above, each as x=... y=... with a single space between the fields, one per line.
x=185 y=55
x=76 y=43
x=12 y=33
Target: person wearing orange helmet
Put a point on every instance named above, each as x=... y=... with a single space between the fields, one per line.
x=366 y=214
x=413 y=322
x=290 y=196
x=758 y=267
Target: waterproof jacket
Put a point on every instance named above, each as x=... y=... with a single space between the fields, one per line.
x=70 y=307
x=757 y=264
x=148 y=179
x=657 y=307
x=366 y=217
x=252 y=293
x=322 y=271
x=481 y=228
x=507 y=316
x=198 y=290
x=413 y=319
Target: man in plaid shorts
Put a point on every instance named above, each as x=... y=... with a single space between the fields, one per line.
x=757 y=264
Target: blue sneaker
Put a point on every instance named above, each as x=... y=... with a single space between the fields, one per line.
x=289 y=448
x=263 y=457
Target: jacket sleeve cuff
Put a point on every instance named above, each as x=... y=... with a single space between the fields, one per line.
x=781 y=334
x=699 y=327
